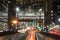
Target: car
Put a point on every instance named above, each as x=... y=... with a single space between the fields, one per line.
x=55 y=31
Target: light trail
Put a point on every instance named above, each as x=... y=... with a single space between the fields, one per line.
x=31 y=35
x=37 y=37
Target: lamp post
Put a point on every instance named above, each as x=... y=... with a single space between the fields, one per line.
x=40 y=24
x=17 y=10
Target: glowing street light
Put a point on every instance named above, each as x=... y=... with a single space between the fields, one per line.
x=14 y=21
x=47 y=26
x=59 y=19
x=17 y=9
x=40 y=10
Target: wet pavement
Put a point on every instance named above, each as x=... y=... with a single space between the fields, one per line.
x=16 y=36
x=23 y=36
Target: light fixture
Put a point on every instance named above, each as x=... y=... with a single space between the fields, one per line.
x=40 y=10
x=14 y=21
x=59 y=19
x=17 y=9
x=47 y=26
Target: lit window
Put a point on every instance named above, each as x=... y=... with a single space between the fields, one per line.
x=51 y=17
x=51 y=14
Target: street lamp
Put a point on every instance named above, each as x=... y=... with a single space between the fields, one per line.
x=14 y=21
x=17 y=10
x=59 y=19
x=40 y=10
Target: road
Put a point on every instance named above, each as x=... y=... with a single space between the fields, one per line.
x=23 y=36
x=16 y=36
x=43 y=37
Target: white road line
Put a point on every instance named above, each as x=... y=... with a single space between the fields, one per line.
x=37 y=36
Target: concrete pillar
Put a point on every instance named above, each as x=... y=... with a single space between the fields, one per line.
x=47 y=10
x=11 y=12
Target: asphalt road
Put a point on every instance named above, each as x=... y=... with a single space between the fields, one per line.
x=23 y=36
x=17 y=36
x=43 y=37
